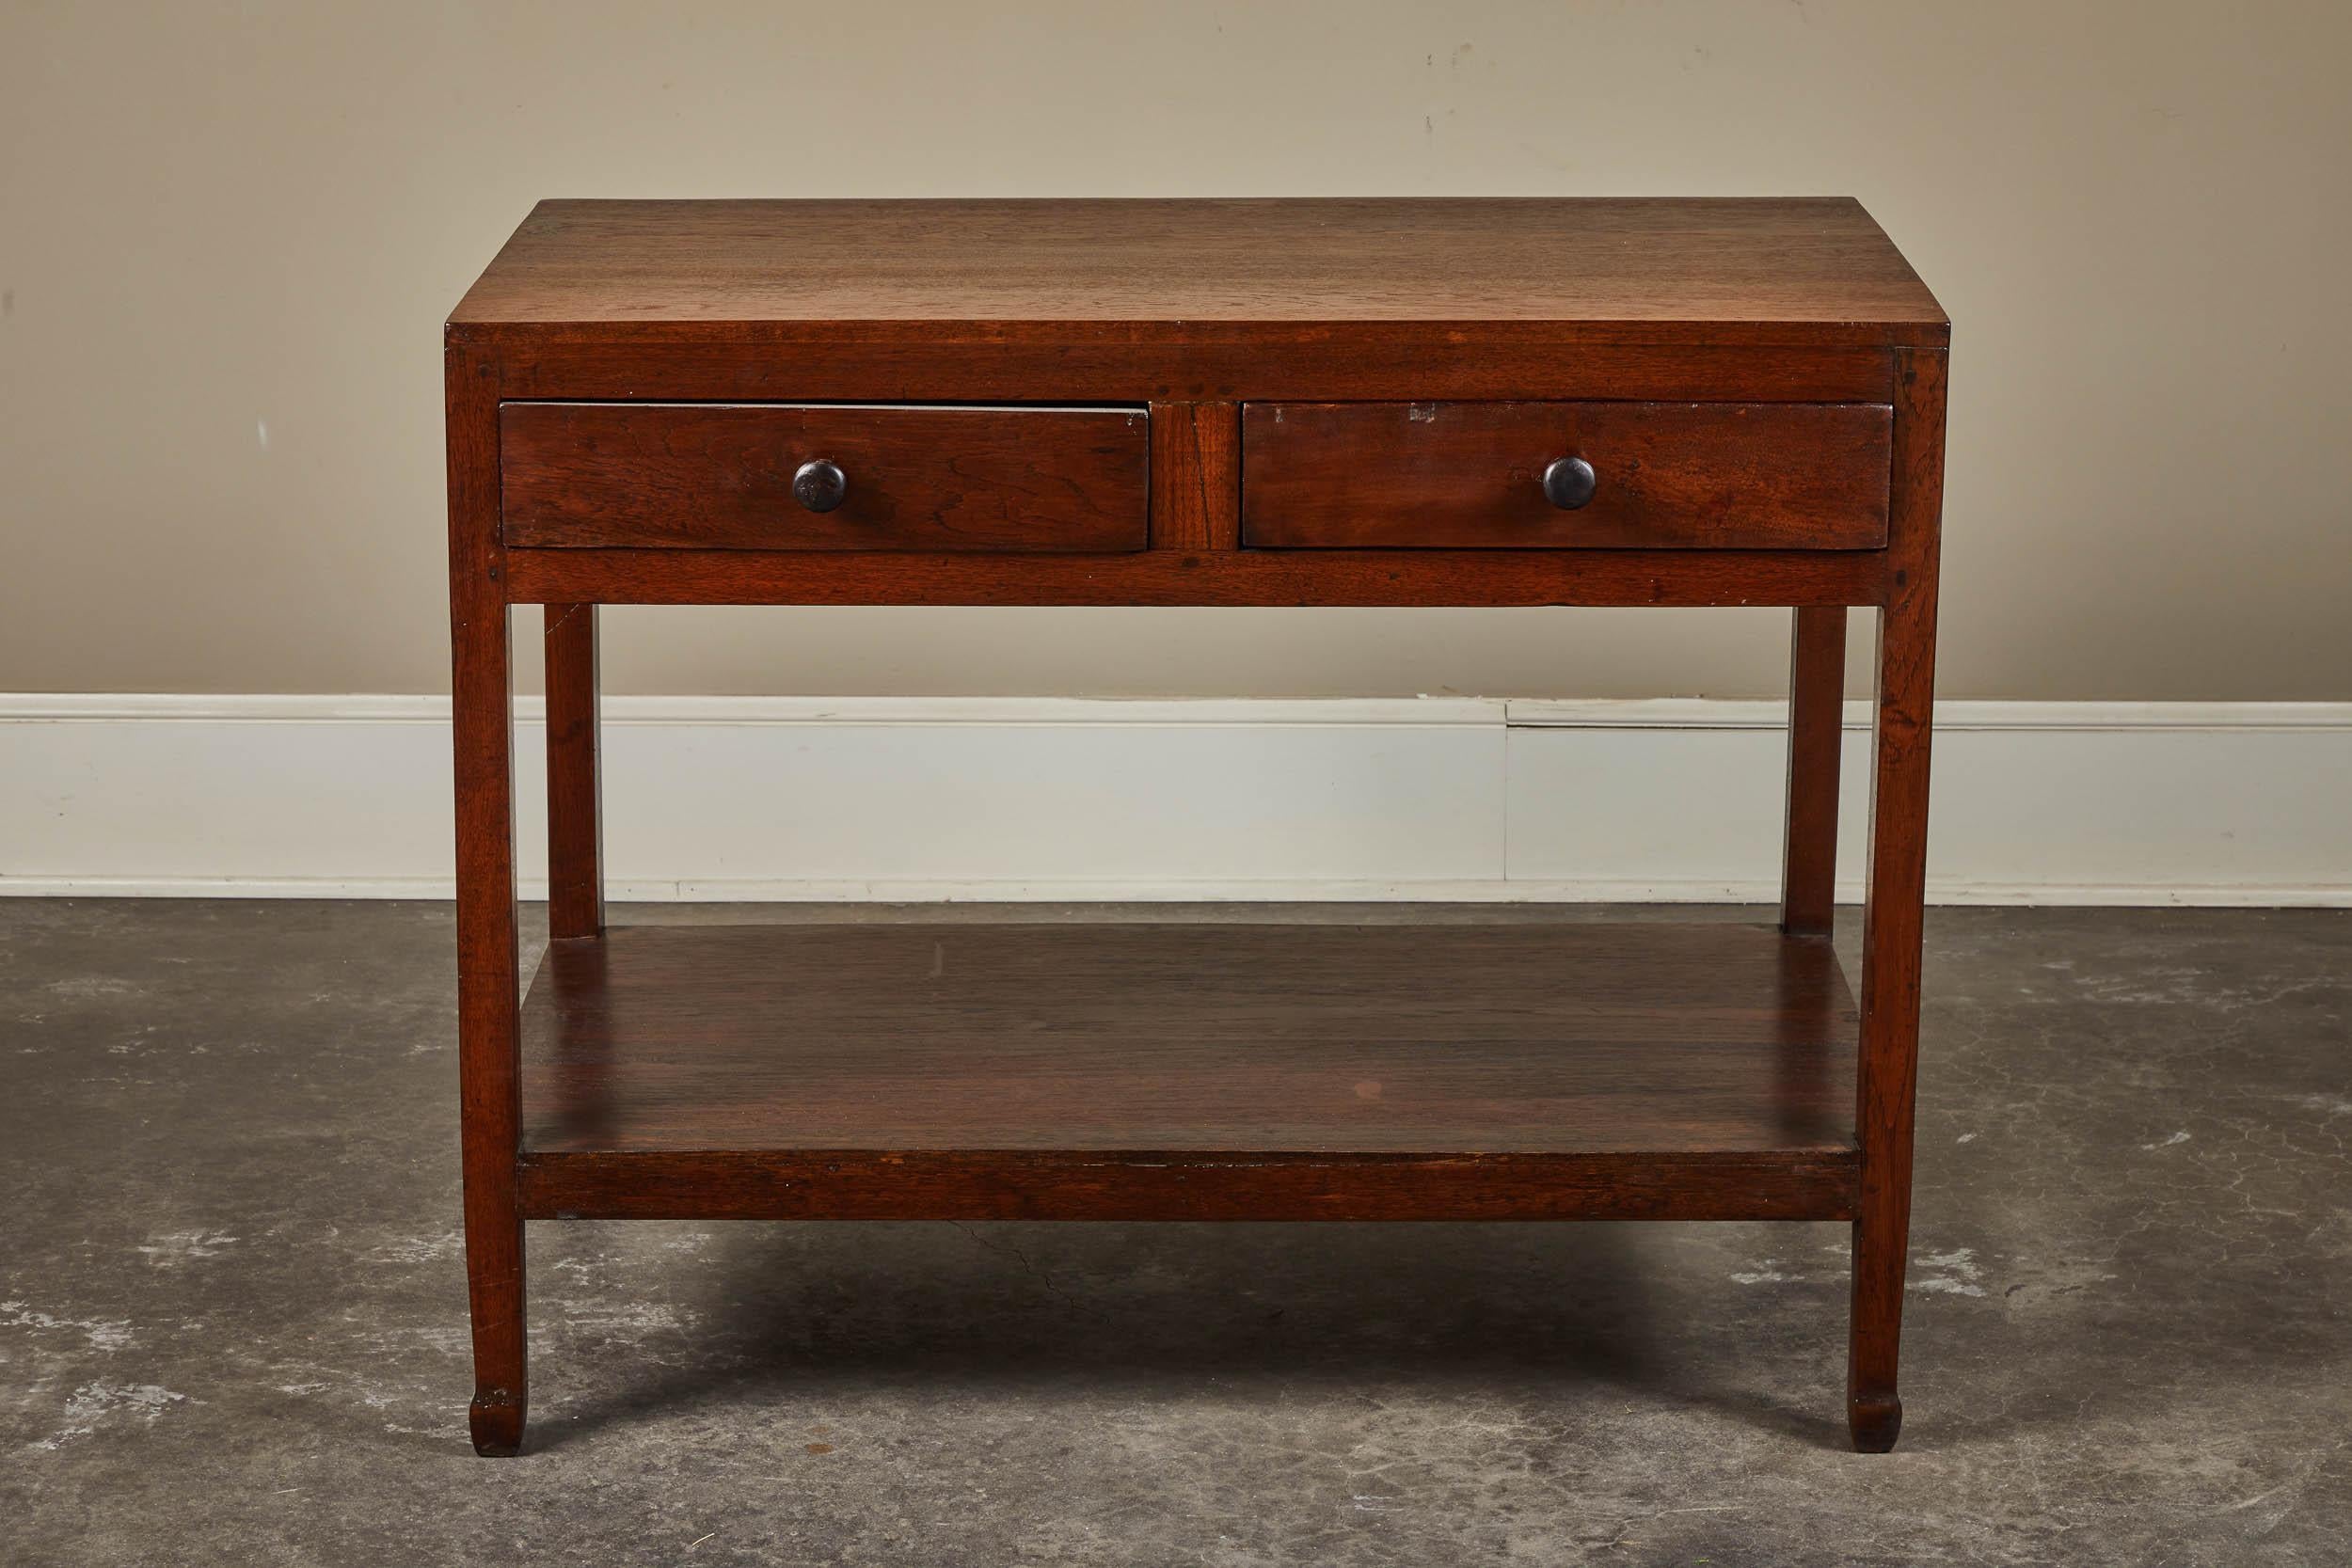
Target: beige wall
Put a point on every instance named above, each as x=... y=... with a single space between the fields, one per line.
x=227 y=235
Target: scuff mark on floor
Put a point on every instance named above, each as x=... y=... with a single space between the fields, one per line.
x=1952 y=1274
x=105 y=1334
x=1766 y=1275
x=96 y=1400
x=417 y=1249
x=175 y=1248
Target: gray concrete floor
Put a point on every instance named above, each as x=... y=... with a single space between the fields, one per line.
x=233 y=1327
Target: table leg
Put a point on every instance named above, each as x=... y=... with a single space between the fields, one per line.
x=1816 y=700
x=490 y=1100
x=575 y=807
x=1897 y=887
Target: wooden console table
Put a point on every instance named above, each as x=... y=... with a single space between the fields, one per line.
x=1192 y=403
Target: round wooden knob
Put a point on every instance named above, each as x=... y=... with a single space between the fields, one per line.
x=1568 y=482
x=820 y=484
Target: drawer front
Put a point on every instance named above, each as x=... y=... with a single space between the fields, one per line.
x=722 y=476
x=1472 y=475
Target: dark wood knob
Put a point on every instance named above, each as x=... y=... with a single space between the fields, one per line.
x=820 y=484
x=1568 y=482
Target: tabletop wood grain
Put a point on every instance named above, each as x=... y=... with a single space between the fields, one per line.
x=1814 y=270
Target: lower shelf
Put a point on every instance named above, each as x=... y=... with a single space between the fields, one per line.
x=1187 y=1071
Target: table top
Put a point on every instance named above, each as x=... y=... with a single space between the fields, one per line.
x=1795 y=270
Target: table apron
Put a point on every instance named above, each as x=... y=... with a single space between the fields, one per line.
x=1170 y=578
x=1354 y=361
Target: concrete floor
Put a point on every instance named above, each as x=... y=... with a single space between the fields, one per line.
x=233 y=1327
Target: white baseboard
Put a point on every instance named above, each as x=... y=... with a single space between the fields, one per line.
x=925 y=798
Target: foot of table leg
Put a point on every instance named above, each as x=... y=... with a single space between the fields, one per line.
x=493 y=1271
x=1874 y=1422
x=494 y=1268
x=495 y=1420
x=1874 y=1412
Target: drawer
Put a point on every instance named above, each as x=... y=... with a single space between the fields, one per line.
x=1653 y=475
x=822 y=477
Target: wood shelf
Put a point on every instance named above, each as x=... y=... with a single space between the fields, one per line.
x=968 y=1071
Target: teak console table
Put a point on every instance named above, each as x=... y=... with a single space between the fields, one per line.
x=1192 y=403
